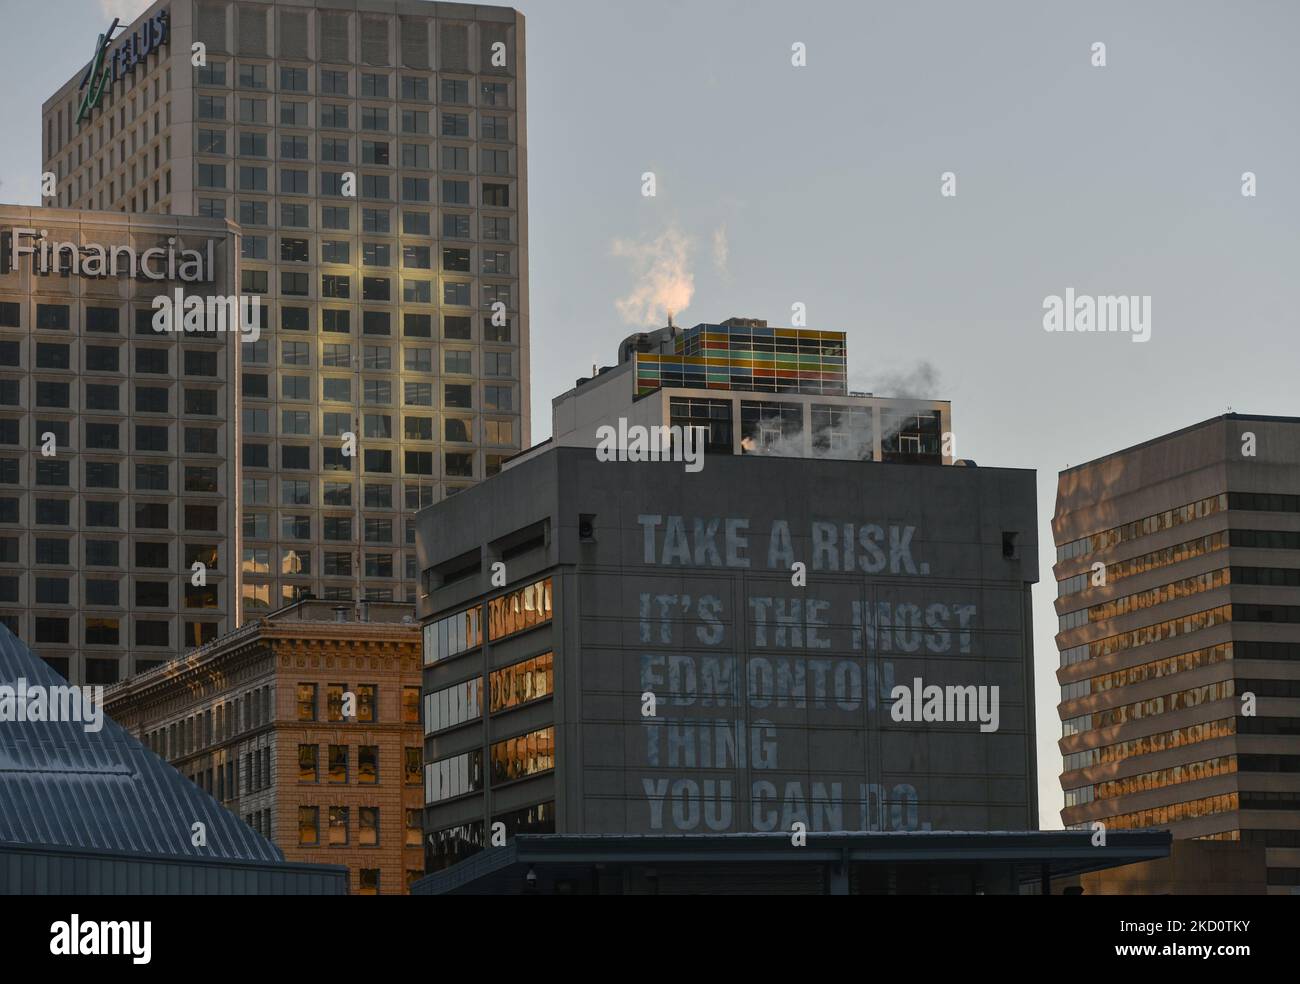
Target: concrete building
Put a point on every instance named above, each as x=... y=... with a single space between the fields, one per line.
x=307 y=728
x=375 y=156
x=755 y=390
x=621 y=648
x=85 y=809
x=1178 y=594
x=119 y=445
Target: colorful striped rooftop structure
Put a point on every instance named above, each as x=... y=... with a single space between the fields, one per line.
x=746 y=354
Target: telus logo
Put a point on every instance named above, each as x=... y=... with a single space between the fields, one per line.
x=133 y=51
x=102 y=939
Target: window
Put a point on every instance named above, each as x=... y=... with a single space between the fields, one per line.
x=455 y=395
x=291 y=113
x=526 y=755
x=498 y=398
x=368 y=836
x=55 y=512
x=309 y=826
x=102 y=592
x=334 y=150
x=149 y=478
x=338 y=773
x=309 y=763
x=335 y=285
x=306 y=702
x=456 y=193
x=252 y=144
x=335 y=217
x=368 y=764
x=333 y=83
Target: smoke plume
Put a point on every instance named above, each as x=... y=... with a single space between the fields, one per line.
x=664 y=282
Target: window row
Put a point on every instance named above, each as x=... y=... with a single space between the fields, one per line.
x=343 y=82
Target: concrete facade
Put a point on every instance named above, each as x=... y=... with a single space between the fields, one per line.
x=645 y=639
x=379 y=304
x=119 y=450
x=1180 y=664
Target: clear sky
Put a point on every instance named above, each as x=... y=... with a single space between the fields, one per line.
x=820 y=185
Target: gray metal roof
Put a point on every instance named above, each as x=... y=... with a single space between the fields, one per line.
x=1062 y=852
x=62 y=785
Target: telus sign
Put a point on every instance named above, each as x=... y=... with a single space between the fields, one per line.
x=104 y=70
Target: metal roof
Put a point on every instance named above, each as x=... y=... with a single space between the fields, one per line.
x=63 y=785
x=1059 y=852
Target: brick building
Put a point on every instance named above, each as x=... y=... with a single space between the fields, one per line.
x=306 y=725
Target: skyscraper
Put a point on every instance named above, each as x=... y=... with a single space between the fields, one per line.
x=376 y=163
x=1178 y=593
x=118 y=445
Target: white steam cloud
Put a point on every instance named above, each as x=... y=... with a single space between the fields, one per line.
x=665 y=284
x=721 y=250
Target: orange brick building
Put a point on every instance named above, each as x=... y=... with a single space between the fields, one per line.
x=305 y=723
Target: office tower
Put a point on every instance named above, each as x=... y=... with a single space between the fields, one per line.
x=118 y=444
x=1178 y=592
x=374 y=157
x=624 y=647
x=305 y=724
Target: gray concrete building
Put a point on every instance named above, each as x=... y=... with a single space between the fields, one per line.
x=1178 y=594
x=613 y=647
x=375 y=157
x=119 y=445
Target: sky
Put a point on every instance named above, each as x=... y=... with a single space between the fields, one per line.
x=820 y=185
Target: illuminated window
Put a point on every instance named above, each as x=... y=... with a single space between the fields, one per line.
x=523 y=756
x=338 y=826
x=522 y=682
x=308 y=826
x=306 y=702
x=521 y=609
x=308 y=763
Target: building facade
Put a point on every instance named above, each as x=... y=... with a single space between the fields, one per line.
x=375 y=156
x=626 y=648
x=754 y=389
x=1178 y=595
x=119 y=444
x=305 y=727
